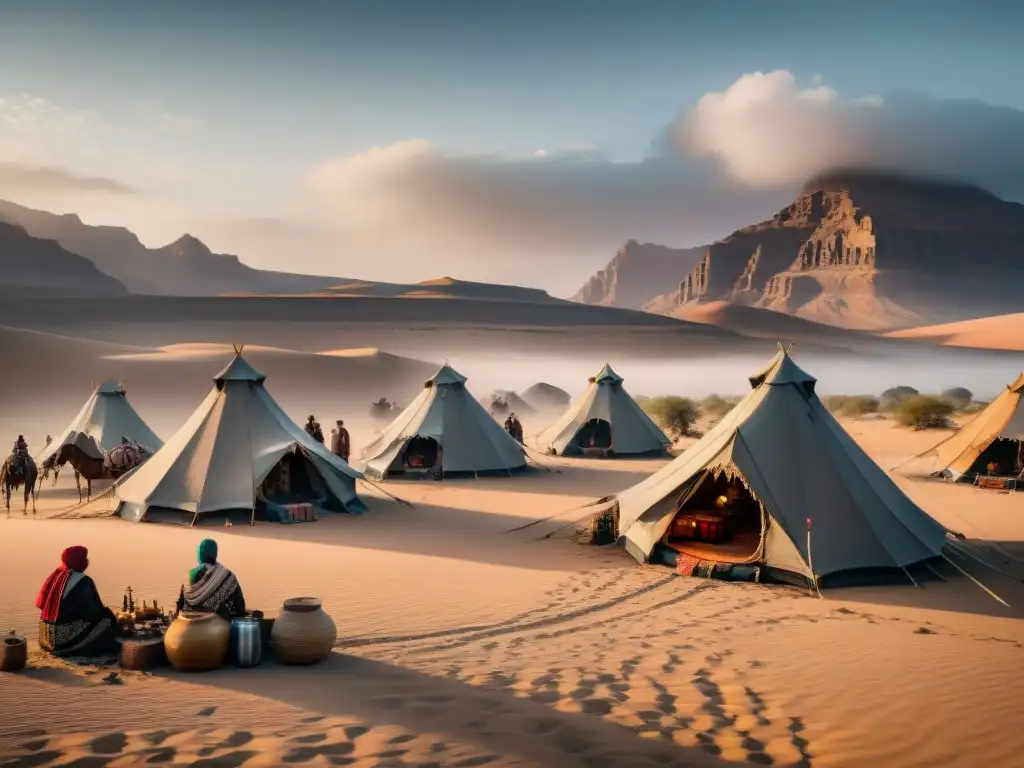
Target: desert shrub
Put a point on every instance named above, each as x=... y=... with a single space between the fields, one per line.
x=960 y=397
x=973 y=407
x=893 y=396
x=924 y=412
x=676 y=415
x=851 y=405
x=716 y=406
x=604 y=527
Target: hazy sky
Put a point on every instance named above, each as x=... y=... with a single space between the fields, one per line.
x=507 y=141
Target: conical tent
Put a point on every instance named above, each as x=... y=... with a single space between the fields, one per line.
x=825 y=507
x=106 y=417
x=217 y=462
x=448 y=427
x=605 y=411
x=996 y=434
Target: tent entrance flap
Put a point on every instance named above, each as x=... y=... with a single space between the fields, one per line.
x=1004 y=457
x=294 y=480
x=719 y=521
x=420 y=454
x=596 y=433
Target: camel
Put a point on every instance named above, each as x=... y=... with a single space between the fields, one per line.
x=114 y=463
x=19 y=470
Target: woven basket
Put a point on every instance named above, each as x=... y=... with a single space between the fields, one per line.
x=303 y=633
x=142 y=654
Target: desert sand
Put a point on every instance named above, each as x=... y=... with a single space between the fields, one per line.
x=462 y=643
x=999 y=332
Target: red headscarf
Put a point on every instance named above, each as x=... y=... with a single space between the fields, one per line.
x=72 y=559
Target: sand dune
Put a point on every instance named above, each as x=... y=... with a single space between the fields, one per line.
x=763 y=323
x=461 y=644
x=999 y=332
x=55 y=374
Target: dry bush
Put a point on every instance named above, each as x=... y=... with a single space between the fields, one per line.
x=676 y=415
x=851 y=406
x=924 y=412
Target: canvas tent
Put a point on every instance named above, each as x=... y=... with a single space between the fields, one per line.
x=222 y=461
x=444 y=430
x=604 y=420
x=994 y=436
x=106 y=417
x=802 y=472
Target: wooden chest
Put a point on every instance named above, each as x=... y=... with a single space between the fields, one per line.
x=300 y=513
x=712 y=529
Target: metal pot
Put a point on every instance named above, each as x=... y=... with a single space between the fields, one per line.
x=246 y=641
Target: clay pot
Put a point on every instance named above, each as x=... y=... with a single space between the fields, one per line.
x=303 y=633
x=13 y=653
x=196 y=642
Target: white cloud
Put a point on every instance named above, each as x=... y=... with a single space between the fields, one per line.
x=766 y=129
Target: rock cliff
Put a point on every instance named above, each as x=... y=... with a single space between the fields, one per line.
x=871 y=252
x=636 y=273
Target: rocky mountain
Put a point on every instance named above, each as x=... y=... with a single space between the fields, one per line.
x=869 y=251
x=638 y=272
x=33 y=266
x=186 y=267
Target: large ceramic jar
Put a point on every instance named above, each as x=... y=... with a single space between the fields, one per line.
x=196 y=642
x=303 y=633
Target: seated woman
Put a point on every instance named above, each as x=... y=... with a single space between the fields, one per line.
x=73 y=620
x=212 y=588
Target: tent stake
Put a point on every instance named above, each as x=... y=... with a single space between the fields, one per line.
x=912 y=579
x=986 y=589
x=937 y=574
x=389 y=495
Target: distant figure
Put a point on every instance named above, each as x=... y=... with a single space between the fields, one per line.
x=20 y=446
x=509 y=425
x=341 y=443
x=517 y=429
x=313 y=429
x=49 y=439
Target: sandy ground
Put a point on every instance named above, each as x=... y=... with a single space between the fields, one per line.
x=464 y=644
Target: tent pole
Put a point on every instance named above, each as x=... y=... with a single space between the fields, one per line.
x=986 y=589
x=810 y=560
x=911 y=578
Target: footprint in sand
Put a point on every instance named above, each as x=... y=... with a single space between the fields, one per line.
x=206 y=712
x=108 y=744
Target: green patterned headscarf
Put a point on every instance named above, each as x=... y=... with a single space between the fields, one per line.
x=205 y=555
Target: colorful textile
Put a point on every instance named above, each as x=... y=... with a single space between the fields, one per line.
x=73 y=559
x=686 y=564
x=81 y=626
x=216 y=591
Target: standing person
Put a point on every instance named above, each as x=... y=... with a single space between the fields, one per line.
x=517 y=428
x=341 y=442
x=510 y=425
